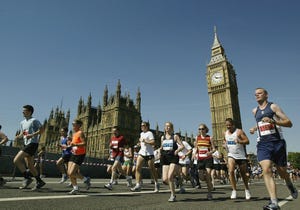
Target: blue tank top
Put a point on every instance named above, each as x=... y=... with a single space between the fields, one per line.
x=66 y=151
x=266 y=131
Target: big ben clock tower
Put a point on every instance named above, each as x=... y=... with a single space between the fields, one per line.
x=222 y=91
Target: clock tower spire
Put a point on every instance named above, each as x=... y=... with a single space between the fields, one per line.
x=222 y=91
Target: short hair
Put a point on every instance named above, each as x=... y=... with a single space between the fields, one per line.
x=29 y=108
x=260 y=88
x=230 y=120
x=147 y=124
x=77 y=122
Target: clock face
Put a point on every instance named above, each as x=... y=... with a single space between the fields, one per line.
x=217 y=77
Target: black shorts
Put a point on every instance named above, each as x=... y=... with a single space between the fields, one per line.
x=224 y=167
x=206 y=163
x=78 y=159
x=239 y=161
x=31 y=148
x=66 y=158
x=157 y=165
x=147 y=157
x=167 y=159
x=217 y=167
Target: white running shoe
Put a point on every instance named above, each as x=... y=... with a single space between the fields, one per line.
x=247 y=195
x=108 y=186
x=172 y=198
x=233 y=194
x=156 y=187
x=136 y=189
x=73 y=192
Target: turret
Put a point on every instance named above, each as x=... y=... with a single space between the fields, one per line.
x=105 y=96
x=138 y=101
x=80 y=106
x=118 y=94
x=89 y=102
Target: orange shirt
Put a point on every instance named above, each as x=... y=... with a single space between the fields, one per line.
x=77 y=150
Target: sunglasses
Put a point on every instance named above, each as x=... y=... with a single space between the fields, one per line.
x=201 y=129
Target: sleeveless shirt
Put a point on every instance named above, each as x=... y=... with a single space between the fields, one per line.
x=267 y=131
x=235 y=150
x=77 y=150
x=203 y=145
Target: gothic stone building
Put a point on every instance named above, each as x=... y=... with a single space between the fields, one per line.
x=116 y=110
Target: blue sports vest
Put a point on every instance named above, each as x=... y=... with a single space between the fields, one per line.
x=266 y=131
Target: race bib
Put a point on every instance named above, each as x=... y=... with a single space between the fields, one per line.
x=266 y=128
x=202 y=152
x=168 y=145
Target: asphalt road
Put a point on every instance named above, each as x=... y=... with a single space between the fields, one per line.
x=55 y=196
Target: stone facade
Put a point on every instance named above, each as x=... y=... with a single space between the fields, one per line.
x=222 y=91
x=116 y=110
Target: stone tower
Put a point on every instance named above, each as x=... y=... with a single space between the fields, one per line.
x=50 y=138
x=222 y=91
x=116 y=110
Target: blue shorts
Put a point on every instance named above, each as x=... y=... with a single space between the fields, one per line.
x=272 y=150
x=119 y=158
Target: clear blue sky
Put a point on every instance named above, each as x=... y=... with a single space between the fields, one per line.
x=60 y=50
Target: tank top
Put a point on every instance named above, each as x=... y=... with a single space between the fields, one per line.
x=64 y=142
x=77 y=150
x=267 y=131
x=126 y=152
x=169 y=145
x=235 y=150
x=203 y=145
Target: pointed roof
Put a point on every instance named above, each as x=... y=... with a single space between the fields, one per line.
x=216 y=40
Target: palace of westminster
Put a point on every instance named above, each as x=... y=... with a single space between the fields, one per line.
x=120 y=110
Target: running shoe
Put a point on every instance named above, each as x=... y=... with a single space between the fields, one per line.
x=209 y=196
x=136 y=189
x=271 y=206
x=247 y=195
x=108 y=186
x=233 y=194
x=156 y=187
x=172 y=198
x=182 y=190
x=115 y=182
x=73 y=192
x=26 y=183
x=38 y=185
x=294 y=191
x=87 y=183
x=129 y=181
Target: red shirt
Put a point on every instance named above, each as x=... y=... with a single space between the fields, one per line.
x=116 y=142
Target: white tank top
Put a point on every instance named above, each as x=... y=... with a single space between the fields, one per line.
x=235 y=150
